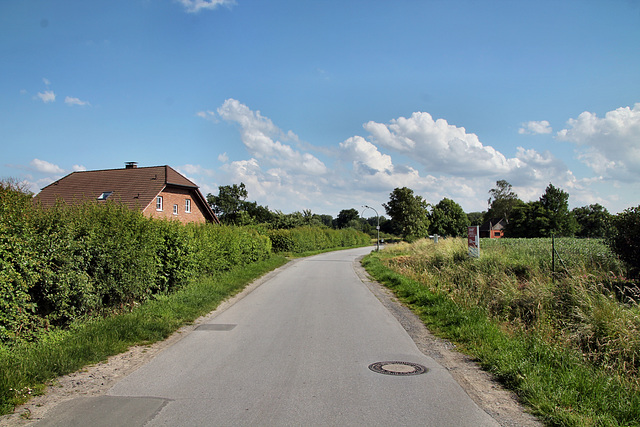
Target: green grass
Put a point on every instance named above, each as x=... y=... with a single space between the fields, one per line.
x=26 y=368
x=554 y=381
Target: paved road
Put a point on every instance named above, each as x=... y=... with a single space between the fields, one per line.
x=294 y=352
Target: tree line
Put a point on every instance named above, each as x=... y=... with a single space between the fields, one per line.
x=410 y=217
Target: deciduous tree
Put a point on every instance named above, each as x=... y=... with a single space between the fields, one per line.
x=448 y=219
x=408 y=213
x=593 y=221
x=502 y=200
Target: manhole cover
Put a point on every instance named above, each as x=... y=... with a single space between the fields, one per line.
x=397 y=368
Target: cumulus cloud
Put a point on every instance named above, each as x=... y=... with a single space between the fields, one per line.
x=439 y=146
x=610 y=146
x=366 y=156
x=260 y=137
x=75 y=101
x=445 y=161
x=79 y=168
x=534 y=128
x=195 y=6
x=46 y=167
x=47 y=96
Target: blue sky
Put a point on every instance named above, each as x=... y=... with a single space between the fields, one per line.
x=329 y=105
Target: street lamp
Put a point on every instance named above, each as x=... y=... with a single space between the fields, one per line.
x=377 y=227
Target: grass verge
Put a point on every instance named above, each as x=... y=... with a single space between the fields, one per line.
x=553 y=381
x=26 y=368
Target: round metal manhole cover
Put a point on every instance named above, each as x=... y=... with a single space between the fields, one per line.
x=397 y=368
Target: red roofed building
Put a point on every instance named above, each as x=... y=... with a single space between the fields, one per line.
x=158 y=192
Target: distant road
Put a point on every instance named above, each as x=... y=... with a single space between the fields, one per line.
x=294 y=352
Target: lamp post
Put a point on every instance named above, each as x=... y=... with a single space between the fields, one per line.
x=377 y=226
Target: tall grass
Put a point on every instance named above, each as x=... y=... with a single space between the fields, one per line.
x=565 y=342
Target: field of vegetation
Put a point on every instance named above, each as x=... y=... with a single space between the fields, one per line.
x=568 y=342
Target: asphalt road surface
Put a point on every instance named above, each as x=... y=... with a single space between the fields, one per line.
x=296 y=351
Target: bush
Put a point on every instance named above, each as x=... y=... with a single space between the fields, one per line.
x=625 y=241
x=307 y=239
x=18 y=263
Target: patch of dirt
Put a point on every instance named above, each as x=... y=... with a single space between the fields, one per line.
x=97 y=379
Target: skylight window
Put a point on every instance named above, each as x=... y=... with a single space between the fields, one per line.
x=105 y=195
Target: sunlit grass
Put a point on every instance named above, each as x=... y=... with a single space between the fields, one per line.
x=564 y=342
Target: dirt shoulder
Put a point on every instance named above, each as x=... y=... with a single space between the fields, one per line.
x=96 y=380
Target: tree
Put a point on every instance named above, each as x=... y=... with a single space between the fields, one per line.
x=502 y=200
x=229 y=202
x=345 y=217
x=476 y=218
x=408 y=213
x=593 y=221
x=528 y=220
x=556 y=203
x=448 y=219
x=625 y=241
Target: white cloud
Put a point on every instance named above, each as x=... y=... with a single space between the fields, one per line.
x=258 y=133
x=79 y=168
x=534 y=128
x=46 y=81
x=445 y=161
x=439 y=146
x=194 y=6
x=365 y=154
x=46 y=167
x=47 y=96
x=75 y=101
x=610 y=146
x=207 y=115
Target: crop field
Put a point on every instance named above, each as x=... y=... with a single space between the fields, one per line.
x=573 y=256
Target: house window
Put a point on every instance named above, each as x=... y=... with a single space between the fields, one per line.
x=187 y=206
x=104 y=195
x=159 y=203
x=175 y=209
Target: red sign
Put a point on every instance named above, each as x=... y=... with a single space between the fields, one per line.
x=474 y=241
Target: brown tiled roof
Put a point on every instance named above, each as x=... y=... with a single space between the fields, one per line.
x=134 y=187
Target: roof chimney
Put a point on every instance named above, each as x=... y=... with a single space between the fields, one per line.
x=131 y=165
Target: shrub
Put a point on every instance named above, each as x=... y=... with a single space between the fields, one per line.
x=18 y=263
x=625 y=241
x=306 y=239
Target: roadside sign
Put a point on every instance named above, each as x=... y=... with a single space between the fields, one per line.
x=474 y=241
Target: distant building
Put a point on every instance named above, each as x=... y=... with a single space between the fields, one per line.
x=494 y=228
x=158 y=192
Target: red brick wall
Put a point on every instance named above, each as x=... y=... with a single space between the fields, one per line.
x=176 y=196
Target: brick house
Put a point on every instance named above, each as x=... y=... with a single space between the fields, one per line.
x=494 y=228
x=158 y=191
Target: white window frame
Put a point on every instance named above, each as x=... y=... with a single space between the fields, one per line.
x=187 y=205
x=175 y=209
x=159 y=203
